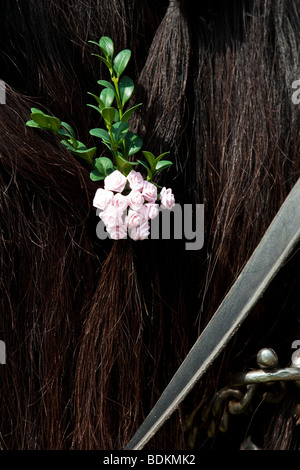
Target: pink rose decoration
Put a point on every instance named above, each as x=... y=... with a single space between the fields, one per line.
x=132 y=213
x=167 y=198
x=117 y=232
x=120 y=201
x=149 y=192
x=152 y=210
x=136 y=180
x=135 y=200
x=112 y=216
x=134 y=218
x=102 y=198
x=116 y=181
x=141 y=232
x=143 y=211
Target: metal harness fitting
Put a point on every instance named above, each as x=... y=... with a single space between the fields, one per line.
x=267 y=360
x=216 y=414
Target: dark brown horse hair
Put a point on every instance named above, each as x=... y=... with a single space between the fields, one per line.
x=95 y=329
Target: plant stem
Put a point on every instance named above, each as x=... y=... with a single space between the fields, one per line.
x=115 y=81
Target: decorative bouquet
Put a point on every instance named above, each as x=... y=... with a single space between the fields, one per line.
x=128 y=201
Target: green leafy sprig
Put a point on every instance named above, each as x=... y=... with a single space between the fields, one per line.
x=117 y=136
x=41 y=120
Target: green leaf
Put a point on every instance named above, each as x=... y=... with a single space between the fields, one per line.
x=106 y=84
x=107 y=46
x=108 y=145
x=103 y=164
x=162 y=165
x=86 y=154
x=100 y=103
x=126 y=87
x=108 y=115
x=124 y=165
x=117 y=116
x=46 y=122
x=101 y=133
x=35 y=110
x=126 y=116
x=149 y=172
x=95 y=175
x=161 y=156
x=94 y=107
x=80 y=145
x=107 y=62
x=150 y=158
x=73 y=144
x=78 y=149
x=68 y=128
x=99 y=166
x=120 y=61
x=94 y=42
x=63 y=133
x=133 y=143
x=70 y=144
x=33 y=124
x=119 y=131
x=107 y=97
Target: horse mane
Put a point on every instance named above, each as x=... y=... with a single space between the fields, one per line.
x=95 y=329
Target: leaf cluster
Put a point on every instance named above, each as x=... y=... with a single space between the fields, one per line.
x=117 y=136
x=53 y=124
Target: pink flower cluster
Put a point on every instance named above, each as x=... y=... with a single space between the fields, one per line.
x=132 y=212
